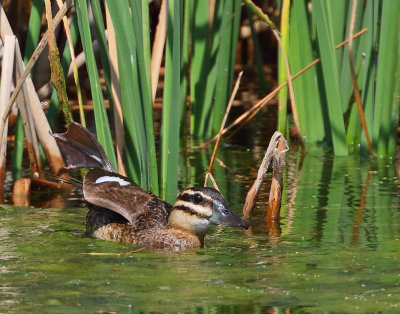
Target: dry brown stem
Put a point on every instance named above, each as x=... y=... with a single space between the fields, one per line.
x=42 y=126
x=116 y=93
x=158 y=48
x=57 y=74
x=49 y=17
x=214 y=183
x=73 y=63
x=228 y=108
x=5 y=29
x=23 y=102
x=5 y=88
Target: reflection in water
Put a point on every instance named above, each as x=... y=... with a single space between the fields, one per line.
x=361 y=207
x=344 y=200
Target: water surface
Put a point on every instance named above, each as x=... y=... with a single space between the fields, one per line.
x=338 y=249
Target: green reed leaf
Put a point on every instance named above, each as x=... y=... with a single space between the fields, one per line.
x=330 y=75
x=102 y=125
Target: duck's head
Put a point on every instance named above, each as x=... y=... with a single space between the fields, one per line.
x=197 y=209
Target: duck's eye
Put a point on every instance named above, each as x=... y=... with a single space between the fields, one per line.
x=197 y=198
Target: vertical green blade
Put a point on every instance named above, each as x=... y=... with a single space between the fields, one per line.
x=102 y=125
x=385 y=103
x=226 y=60
x=282 y=75
x=330 y=76
x=198 y=63
x=312 y=115
x=130 y=20
x=172 y=108
x=102 y=40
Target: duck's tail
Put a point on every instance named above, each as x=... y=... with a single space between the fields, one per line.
x=81 y=149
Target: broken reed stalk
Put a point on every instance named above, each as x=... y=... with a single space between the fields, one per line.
x=275 y=194
x=228 y=108
x=116 y=93
x=73 y=62
x=42 y=126
x=264 y=101
x=158 y=48
x=257 y=11
x=252 y=195
x=57 y=74
x=357 y=93
x=211 y=177
x=7 y=66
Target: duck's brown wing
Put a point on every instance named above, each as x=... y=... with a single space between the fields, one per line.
x=81 y=149
x=115 y=192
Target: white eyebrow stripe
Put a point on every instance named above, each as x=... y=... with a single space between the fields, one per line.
x=189 y=192
x=206 y=211
x=121 y=181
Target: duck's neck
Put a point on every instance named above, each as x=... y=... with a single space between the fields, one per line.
x=180 y=219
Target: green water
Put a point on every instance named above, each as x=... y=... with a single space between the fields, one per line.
x=339 y=249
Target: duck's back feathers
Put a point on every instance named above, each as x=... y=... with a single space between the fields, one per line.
x=141 y=208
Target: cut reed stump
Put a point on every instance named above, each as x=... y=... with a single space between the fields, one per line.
x=276 y=152
x=275 y=194
x=21 y=192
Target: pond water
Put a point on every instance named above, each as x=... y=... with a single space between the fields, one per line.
x=338 y=248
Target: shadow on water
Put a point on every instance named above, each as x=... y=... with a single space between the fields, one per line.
x=339 y=248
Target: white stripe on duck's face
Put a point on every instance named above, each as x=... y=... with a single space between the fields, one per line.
x=119 y=180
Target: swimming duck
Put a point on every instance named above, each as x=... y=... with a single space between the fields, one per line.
x=120 y=210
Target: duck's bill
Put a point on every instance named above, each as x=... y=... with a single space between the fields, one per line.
x=222 y=215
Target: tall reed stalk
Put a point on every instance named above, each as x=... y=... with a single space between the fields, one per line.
x=213 y=54
x=102 y=129
x=130 y=20
x=172 y=104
